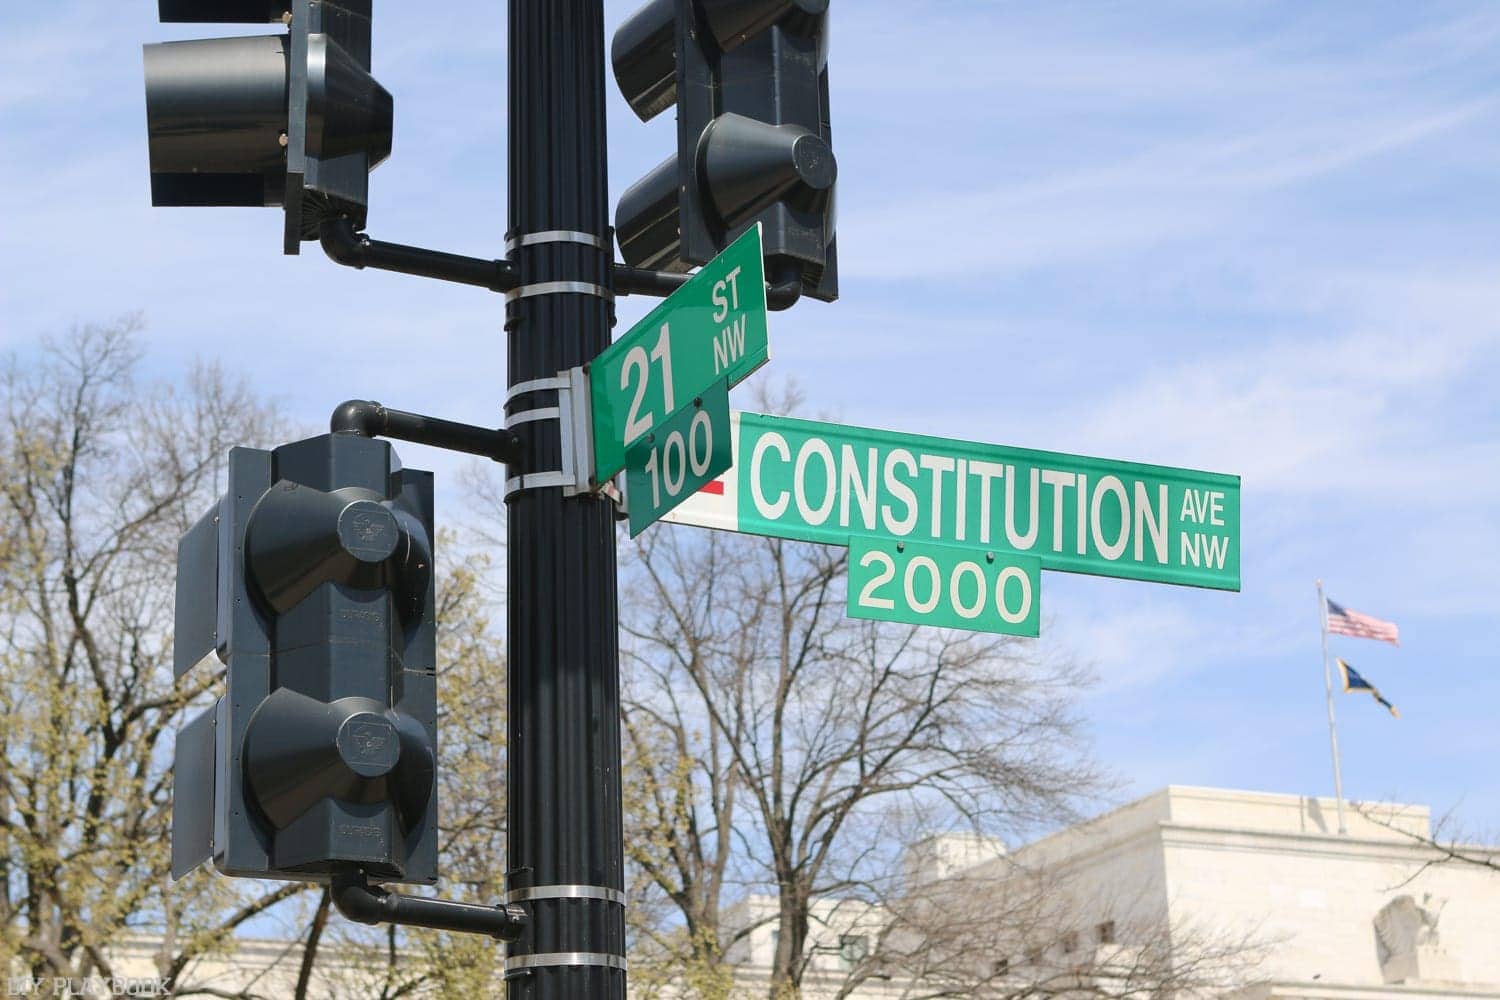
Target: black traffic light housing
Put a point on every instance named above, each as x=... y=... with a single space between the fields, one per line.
x=294 y=119
x=750 y=81
x=311 y=581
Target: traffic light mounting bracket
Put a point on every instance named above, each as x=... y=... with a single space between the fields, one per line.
x=354 y=249
x=368 y=418
x=366 y=904
x=783 y=290
x=344 y=245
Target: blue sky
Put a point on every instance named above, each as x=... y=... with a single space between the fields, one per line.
x=1258 y=238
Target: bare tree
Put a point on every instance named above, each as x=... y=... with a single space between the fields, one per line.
x=682 y=797
x=776 y=744
x=101 y=478
x=1444 y=842
x=1011 y=931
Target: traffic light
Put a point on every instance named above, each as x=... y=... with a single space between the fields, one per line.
x=293 y=119
x=750 y=81
x=311 y=583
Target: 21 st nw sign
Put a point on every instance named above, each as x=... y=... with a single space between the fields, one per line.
x=711 y=330
x=823 y=482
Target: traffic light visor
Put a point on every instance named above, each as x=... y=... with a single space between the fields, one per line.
x=222 y=11
x=647 y=222
x=216 y=118
x=731 y=22
x=644 y=57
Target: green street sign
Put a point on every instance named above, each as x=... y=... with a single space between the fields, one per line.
x=945 y=585
x=823 y=482
x=710 y=330
x=672 y=462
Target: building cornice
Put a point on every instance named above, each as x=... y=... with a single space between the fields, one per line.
x=1320 y=990
x=1229 y=838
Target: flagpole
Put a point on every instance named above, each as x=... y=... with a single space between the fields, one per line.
x=1333 y=732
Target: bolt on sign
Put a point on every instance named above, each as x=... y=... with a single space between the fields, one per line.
x=823 y=482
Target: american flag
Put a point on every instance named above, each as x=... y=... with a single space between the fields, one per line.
x=1344 y=621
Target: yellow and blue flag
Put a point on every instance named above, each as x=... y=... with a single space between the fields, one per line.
x=1354 y=682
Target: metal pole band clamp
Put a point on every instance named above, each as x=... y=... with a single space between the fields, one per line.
x=559 y=288
x=555 y=236
x=538 y=481
x=554 y=959
x=565 y=892
x=535 y=385
x=531 y=416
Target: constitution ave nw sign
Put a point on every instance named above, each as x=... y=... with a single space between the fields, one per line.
x=823 y=482
x=712 y=329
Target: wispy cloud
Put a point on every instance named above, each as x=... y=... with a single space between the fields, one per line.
x=1181 y=131
x=1173 y=191
x=1354 y=409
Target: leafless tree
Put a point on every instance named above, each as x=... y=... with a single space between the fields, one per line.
x=1008 y=930
x=1444 y=842
x=101 y=476
x=777 y=745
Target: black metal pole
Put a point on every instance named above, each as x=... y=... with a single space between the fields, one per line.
x=565 y=838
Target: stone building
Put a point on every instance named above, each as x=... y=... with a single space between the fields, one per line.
x=1374 y=914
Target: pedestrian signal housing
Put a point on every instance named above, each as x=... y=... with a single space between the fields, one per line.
x=310 y=583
